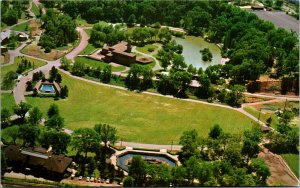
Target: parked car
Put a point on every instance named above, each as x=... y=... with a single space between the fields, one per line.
x=80 y=178
x=99 y=180
x=92 y=179
x=87 y=179
x=102 y=180
x=107 y=181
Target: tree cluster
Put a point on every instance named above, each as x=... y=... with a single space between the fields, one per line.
x=102 y=33
x=244 y=36
x=11 y=11
x=59 y=30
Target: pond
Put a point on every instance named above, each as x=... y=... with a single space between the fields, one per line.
x=191 y=51
x=124 y=160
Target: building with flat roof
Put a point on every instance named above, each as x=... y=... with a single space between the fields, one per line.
x=121 y=54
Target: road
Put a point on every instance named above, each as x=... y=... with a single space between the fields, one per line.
x=83 y=43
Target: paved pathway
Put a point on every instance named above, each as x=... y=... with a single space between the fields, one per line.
x=83 y=43
x=157 y=65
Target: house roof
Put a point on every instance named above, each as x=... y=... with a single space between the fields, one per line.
x=38 y=156
x=5 y=34
x=120 y=47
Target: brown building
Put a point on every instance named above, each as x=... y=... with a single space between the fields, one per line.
x=39 y=160
x=121 y=54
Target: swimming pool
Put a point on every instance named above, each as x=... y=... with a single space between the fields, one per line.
x=47 y=88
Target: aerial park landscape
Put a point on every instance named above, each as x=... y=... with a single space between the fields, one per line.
x=105 y=93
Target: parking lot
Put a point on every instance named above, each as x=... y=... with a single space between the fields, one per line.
x=279 y=19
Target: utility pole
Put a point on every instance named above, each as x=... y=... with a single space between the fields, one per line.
x=284 y=105
x=172 y=145
x=259 y=115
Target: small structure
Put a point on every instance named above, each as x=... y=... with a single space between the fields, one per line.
x=47 y=87
x=3 y=49
x=38 y=159
x=121 y=54
x=22 y=37
x=257 y=7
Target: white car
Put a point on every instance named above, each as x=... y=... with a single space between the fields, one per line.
x=92 y=179
x=80 y=178
x=87 y=179
x=107 y=181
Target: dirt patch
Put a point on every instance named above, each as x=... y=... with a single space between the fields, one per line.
x=280 y=173
x=37 y=51
x=34 y=27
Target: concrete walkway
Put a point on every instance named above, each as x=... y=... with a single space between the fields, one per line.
x=157 y=65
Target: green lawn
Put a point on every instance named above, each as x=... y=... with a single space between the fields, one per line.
x=96 y=63
x=21 y=27
x=293 y=161
x=13 y=67
x=88 y=32
x=145 y=48
x=7 y=101
x=88 y=49
x=35 y=9
x=263 y=116
x=82 y=22
x=139 y=117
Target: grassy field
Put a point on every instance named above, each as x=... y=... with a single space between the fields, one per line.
x=145 y=48
x=88 y=32
x=82 y=22
x=7 y=101
x=35 y=9
x=13 y=67
x=293 y=161
x=139 y=117
x=95 y=63
x=88 y=49
x=21 y=27
x=263 y=116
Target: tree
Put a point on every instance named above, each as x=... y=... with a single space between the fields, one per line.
x=190 y=142
x=178 y=62
x=192 y=166
x=206 y=173
x=128 y=181
x=206 y=54
x=29 y=134
x=181 y=81
x=56 y=139
x=13 y=132
x=35 y=116
x=107 y=133
x=64 y=92
x=21 y=110
x=78 y=68
x=250 y=149
x=85 y=140
x=53 y=73
x=53 y=110
x=262 y=170
x=131 y=20
x=5 y=117
x=9 y=80
x=65 y=63
x=55 y=122
x=106 y=74
x=204 y=91
x=138 y=170
x=215 y=131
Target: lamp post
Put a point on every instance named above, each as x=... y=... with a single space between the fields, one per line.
x=172 y=145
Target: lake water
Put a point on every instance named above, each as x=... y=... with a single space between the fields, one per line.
x=191 y=51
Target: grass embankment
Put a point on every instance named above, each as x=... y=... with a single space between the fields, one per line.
x=145 y=49
x=139 y=117
x=96 y=63
x=21 y=27
x=35 y=9
x=17 y=60
x=88 y=50
x=268 y=110
x=7 y=101
x=293 y=161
